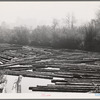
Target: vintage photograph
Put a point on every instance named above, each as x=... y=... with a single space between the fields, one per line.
x=50 y=47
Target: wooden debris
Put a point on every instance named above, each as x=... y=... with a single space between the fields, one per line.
x=79 y=69
x=26 y=74
x=63 y=88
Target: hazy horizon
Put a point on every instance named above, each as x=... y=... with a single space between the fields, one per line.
x=34 y=13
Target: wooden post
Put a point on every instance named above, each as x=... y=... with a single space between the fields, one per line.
x=19 y=84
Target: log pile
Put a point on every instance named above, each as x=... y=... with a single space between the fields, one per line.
x=77 y=71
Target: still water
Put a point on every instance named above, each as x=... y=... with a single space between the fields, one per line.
x=28 y=82
x=25 y=83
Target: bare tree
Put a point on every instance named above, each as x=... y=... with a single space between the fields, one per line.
x=70 y=21
x=55 y=23
x=73 y=21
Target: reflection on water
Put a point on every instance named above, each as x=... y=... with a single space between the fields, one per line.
x=25 y=83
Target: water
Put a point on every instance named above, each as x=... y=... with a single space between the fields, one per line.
x=25 y=83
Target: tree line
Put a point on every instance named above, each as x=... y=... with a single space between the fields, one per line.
x=84 y=37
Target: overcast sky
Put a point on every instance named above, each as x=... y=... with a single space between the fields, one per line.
x=33 y=13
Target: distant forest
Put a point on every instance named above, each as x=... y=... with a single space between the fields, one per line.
x=84 y=37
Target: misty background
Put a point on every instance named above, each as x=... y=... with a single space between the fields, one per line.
x=71 y=25
x=32 y=14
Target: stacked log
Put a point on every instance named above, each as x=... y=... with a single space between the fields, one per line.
x=27 y=74
x=76 y=68
x=63 y=88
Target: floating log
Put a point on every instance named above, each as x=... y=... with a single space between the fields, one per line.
x=78 y=74
x=15 y=63
x=67 y=76
x=68 y=83
x=19 y=68
x=53 y=75
x=67 y=86
x=63 y=88
x=39 y=66
x=84 y=72
x=80 y=69
x=46 y=70
x=10 y=48
x=80 y=81
x=5 y=57
x=72 y=76
x=78 y=61
x=74 y=66
x=4 y=60
x=55 y=80
x=80 y=66
x=77 y=80
x=21 y=63
x=6 y=65
x=26 y=74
